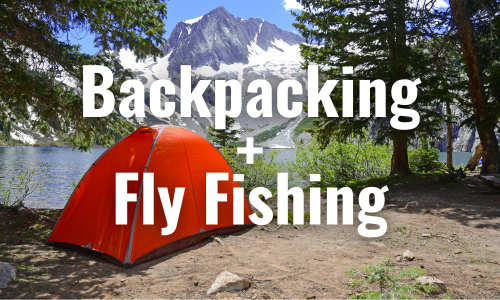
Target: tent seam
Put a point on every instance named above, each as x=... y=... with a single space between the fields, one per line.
x=132 y=230
x=192 y=185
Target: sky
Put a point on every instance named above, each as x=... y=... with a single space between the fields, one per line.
x=273 y=11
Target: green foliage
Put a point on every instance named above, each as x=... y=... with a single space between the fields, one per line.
x=424 y=159
x=5 y=130
x=270 y=133
x=41 y=74
x=224 y=137
x=381 y=40
x=306 y=123
x=341 y=162
x=487 y=46
x=391 y=284
x=262 y=173
x=20 y=187
x=72 y=186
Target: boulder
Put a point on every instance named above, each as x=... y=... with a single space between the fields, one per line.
x=228 y=282
x=427 y=280
x=7 y=274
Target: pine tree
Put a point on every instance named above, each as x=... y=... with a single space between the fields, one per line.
x=41 y=71
x=384 y=40
x=477 y=25
x=224 y=137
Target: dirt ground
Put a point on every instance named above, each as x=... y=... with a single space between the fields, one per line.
x=454 y=234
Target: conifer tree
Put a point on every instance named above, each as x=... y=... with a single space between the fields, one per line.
x=477 y=24
x=382 y=40
x=224 y=137
x=41 y=71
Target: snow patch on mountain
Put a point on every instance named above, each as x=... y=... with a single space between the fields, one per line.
x=192 y=21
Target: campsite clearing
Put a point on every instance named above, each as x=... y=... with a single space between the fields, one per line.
x=454 y=234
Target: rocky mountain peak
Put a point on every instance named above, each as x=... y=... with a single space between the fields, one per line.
x=220 y=38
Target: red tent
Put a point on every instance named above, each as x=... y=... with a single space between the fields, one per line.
x=178 y=158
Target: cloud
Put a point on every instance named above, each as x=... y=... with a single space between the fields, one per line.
x=437 y=4
x=441 y=4
x=293 y=4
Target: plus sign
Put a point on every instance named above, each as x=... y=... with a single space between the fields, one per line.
x=250 y=150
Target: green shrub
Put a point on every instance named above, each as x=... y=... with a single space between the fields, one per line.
x=19 y=188
x=424 y=159
x=262 y=173
x=391 y=284
x=339 y=162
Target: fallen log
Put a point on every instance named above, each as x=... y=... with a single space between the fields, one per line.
x=484 y=184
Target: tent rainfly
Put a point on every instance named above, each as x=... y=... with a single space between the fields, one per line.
x=178 y=158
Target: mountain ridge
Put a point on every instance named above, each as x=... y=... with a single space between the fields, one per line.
x=218 y=37
x=219 y=45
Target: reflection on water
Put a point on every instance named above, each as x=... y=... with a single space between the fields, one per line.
x=60 y=166
x=57 y=165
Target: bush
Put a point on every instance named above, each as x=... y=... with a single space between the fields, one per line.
x=340 y=162
x=19 y=188
x=424 y=159
x=262 y=173
x=391 y=284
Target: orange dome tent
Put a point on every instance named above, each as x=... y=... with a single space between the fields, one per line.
x=178 y=158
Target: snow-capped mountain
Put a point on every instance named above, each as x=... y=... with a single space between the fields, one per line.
x=218 y=38
x=221 y=46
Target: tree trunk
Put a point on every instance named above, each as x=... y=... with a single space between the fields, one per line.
x=449 y=140
x=397 y=44
x=475 y=158
x=399 y=162
x=491 y=151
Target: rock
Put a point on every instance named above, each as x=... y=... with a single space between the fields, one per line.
x=218 y=240
x=458 y=251
x=408 y=255
x=399 y=259
x=7 y=274
x=228 y=282
x=427 y=280
x=323 y=195
x=412 y=205
x=378 y=245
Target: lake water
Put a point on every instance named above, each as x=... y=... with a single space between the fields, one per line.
x=58 y=167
